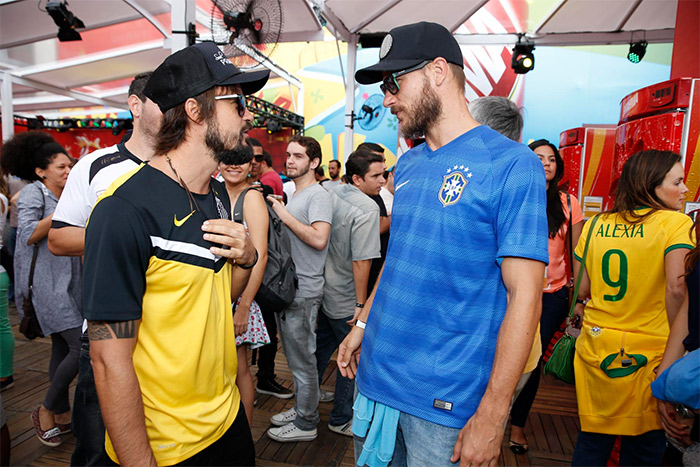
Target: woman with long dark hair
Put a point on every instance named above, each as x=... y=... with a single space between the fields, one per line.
x=248 y=323
x=563 y=210
x=56 y=295
x=634 y=275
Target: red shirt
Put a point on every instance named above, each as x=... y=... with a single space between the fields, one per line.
x=273 y=180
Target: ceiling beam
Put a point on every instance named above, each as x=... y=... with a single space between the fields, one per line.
x=388 y=6
x=628 y=15
x=81 y=96
x=468 y=15
x=565 y=39
x=339 y=29
x=89 y=58
x=547 y=18
x=148 y=16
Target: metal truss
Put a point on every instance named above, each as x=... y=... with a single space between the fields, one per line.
x=273 y=113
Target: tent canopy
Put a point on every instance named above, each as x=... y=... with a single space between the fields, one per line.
x=125 y=37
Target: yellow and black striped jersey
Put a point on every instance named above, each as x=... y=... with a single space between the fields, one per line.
x=145 y=258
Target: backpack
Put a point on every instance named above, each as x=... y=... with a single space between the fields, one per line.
x=280 y=283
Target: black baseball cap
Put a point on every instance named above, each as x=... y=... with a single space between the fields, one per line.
x=409 y=45
x=195 y=69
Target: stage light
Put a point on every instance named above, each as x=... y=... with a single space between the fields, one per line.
x=273 y=126
x=523 y=59
x=637 y=51
x=66 y=21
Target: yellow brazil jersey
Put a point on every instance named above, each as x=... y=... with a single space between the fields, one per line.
x=145 y=259
x=627 y=310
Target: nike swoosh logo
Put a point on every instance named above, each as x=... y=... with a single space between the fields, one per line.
x=178 y=223
x=400 y=185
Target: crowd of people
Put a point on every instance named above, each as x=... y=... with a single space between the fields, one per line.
x=440 y=281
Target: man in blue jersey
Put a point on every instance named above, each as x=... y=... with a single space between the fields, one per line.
x=450 y=324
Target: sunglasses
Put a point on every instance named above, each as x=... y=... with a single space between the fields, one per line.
x=390 y=84
x=259 y=158
x=240 y=101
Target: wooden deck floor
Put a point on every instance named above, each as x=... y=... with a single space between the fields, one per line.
x=551 y=428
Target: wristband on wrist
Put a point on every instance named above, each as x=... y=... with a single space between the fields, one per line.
x=360 y=324
x=582 y=301
x=249 y=266
x=359 y=305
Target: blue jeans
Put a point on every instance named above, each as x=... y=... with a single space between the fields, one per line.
x=419 y=443
x=297 y=328
x=87 y=422
x=593 y=449
x=329 y=335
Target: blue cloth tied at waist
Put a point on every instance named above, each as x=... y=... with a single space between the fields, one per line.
x=378 y=424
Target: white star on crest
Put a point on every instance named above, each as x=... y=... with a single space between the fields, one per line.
x=467 y=169
x=455 y=167
x=449 y=170
x=461 y=167
x=469 y=175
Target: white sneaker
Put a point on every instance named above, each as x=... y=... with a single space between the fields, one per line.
x=344 y=429
x=284 y=418
x=290 y=433
x=326 y=396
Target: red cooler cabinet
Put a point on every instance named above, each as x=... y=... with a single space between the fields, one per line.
x=588 y=156
x=663 y=116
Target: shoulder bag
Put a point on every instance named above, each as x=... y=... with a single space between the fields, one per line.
x=29 y=326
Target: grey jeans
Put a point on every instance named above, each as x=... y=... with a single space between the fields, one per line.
x=297 y=328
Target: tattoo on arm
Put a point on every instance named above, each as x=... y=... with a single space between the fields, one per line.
x=104 y=330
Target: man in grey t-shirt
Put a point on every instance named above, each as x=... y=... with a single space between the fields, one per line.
x=307 y=217
x=354 y=242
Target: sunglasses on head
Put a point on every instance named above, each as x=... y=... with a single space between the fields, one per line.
x=390 y=84
x=240 y=101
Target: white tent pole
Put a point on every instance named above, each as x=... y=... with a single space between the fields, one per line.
x=350 y=96
x=182 y=13
x=149 y=17
x=8 y=121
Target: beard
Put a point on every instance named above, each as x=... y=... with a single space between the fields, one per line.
x=229 y=153
x=422 y=114
x=299 y=171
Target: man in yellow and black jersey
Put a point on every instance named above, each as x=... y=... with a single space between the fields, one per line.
x=163 y=260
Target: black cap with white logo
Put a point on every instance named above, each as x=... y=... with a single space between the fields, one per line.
x=195 y=69
x=407 y=46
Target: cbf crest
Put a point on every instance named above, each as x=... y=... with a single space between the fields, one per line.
x=453 y=184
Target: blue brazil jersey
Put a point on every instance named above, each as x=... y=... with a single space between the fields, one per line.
x=458 y=211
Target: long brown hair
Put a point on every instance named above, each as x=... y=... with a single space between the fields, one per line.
x=642 y=173
x=173 y=127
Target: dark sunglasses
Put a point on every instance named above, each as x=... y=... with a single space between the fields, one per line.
x=259 y=158
x=390 y=84
x=240 y=101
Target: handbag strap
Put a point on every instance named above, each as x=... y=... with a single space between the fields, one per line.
x=238 y=207
x=36 y=244
x=583 y=266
